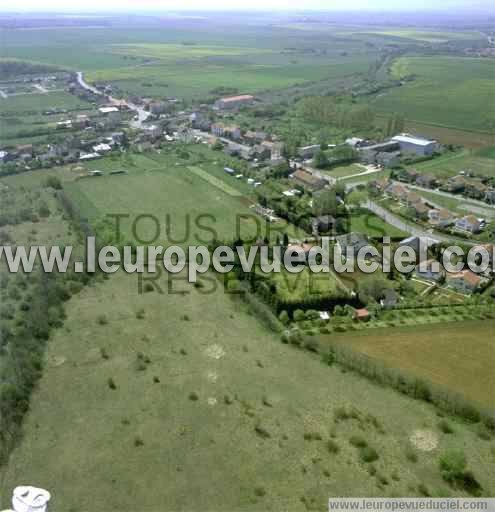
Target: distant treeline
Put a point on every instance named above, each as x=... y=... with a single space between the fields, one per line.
x=15 y=68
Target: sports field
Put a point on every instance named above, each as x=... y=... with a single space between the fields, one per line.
x=458 y=356
x=446 y=91
x=209 y=413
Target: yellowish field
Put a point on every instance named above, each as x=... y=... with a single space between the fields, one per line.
x=458 y=356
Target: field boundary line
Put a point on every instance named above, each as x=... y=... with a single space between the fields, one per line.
x=214 y=181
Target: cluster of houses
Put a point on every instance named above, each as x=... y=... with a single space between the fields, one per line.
x=462 y=184
x=424 y=210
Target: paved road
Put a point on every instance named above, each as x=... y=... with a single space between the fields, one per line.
x=140 y=112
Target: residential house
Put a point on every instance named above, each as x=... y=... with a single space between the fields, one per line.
x=469 y=224
x=411 y=198
x=490 y=196
x=275 y=149
x=222 y=130
x=441 y=217
x=308 y=151
x=455 y=185
x=465 y=281
x=261 y=151
x=430 y=270
x=408 y=175
x=158 y=107
x=322 y=224
x=254 y=137
x=390 y=298
x=420 y=210
x=387 y=159
x=475 y=189
x=397 y=191
x=351 y=243
x=426 y=181
x=307 y=180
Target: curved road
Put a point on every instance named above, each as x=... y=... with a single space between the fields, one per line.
x=140 y=112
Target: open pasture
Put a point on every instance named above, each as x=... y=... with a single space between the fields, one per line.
x=204 y=394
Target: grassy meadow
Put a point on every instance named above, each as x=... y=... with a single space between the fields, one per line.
x=203 y=398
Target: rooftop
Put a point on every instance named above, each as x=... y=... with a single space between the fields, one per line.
x=412 y=139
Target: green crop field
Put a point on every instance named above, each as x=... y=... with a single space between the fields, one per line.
x=457 y=356
x=447 y=91
x=218 y=400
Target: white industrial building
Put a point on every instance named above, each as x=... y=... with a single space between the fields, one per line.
x=413 y=144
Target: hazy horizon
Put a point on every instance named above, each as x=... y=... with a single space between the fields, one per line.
x=199 y=6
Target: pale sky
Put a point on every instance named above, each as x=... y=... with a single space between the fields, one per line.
x=228 y=5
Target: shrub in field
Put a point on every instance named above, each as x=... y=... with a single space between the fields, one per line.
x=358 y=441
x=453 y=466
x=111 y=383
x=332 y=446
x=299 y=315
x=368 y=454
x=148 y=287
x=445 y=427
x=138 y=441
x=423 y=490
x=193 y=396
x=259 y=491
x=262 y=431
x=312 y=436
x=411 y=455
x=284 y=317
x=140 y=314
x=102 y=320
x=104 y=353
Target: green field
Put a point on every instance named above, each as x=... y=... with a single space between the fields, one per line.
x=481 y=163
x=373 y=226
x=250 y=427
x=176 y=196
x=305 y=285
x=180 y=71
x=448 y=91
x=39 y=103
x=456 y=356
